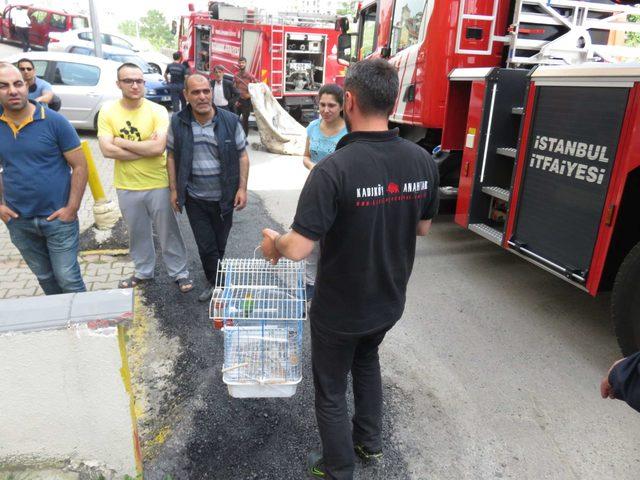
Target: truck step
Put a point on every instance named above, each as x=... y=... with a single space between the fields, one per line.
x=497 y=192
x=506 y=151
x=517 y=110
x=448 y=192
x=487 y=232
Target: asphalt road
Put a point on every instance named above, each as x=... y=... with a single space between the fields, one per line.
x=492 y=372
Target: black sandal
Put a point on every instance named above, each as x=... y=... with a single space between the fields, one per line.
x=185 y=284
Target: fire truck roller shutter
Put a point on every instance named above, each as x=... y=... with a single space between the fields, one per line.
x=568 y=162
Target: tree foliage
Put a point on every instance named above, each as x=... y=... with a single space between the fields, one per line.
x=347 y=8
x=153 y=26
x=633 y=38
x=128 y=27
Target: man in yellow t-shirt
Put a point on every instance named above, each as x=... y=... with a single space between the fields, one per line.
x=133 y=131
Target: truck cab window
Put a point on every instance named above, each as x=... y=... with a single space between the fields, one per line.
x=407 y=18
x=367 y=33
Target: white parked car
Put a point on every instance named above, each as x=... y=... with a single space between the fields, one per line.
x=83 y=37
x=157 y=89
x=83 y=83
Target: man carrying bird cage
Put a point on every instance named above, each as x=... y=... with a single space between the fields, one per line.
x=365 y=203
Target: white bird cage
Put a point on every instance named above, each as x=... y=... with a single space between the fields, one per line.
x=261 y=309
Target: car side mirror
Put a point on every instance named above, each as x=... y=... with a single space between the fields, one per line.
x=344 y=46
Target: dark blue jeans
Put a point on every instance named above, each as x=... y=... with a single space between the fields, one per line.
x=333 y=357
x=178 y=101
x=51 y=252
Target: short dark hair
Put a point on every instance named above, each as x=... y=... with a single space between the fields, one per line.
x=242 y=59
x=218 y=68
x=375 y=83
x=127 y=65
x=332 y=89
x=176 y=55
x=23 y=60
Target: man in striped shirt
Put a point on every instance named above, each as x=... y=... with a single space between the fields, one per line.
x=208 y=168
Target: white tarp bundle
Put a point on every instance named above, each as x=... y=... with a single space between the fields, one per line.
x=279 y=132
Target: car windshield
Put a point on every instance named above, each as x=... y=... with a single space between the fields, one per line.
x=122 y=58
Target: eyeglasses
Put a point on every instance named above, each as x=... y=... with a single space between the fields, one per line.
x=25 y=69
x=131 y=81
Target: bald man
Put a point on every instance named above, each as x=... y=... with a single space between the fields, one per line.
x=208 y=168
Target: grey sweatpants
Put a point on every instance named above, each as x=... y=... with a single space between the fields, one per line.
x=142 y=208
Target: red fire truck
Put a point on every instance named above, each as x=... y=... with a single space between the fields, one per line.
x=292 y=54
x=534 y=120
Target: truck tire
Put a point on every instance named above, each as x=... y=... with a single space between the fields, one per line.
x=625 y=303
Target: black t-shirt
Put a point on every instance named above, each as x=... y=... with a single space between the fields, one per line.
x=363 y=203
x=177 y=71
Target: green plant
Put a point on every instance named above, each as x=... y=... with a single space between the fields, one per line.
x=633 y=38
x=153 y=27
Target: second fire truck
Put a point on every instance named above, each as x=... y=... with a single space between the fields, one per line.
x=293 y=54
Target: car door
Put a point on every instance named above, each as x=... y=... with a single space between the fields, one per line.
x=5 y=23
x=77 y=86
x=57 y=23
x=39 y=30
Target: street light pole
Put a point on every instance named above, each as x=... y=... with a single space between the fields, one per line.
x=95 y=25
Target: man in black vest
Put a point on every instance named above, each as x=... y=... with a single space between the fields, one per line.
x=208 y=168
x=366 y=203
x=174 y=75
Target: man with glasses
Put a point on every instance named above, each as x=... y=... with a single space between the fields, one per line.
x=133 y=131
x=39 y=90
x=43 y=174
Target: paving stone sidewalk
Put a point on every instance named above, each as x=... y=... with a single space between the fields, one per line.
x=99 y=271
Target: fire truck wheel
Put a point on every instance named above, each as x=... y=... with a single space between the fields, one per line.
x=625 y=303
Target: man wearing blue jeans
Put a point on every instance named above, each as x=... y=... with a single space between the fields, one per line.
x=44 y=174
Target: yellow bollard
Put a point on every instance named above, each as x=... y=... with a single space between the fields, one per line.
x=94 y=180
x=105 y=213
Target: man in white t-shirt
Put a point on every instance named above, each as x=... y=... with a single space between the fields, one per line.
x=22 y=23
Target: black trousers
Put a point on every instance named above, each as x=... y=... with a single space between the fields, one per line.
x=243 y=111
x=333 y=357
x=178 y=101
x=22 y=33
x=210 y=231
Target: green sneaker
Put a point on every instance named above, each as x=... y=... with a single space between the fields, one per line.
x=315 y=463
x=367 y=455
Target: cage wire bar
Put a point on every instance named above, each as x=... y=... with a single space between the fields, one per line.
x=261 y=309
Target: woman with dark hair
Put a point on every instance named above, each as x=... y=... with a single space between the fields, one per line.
x=323 y=135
